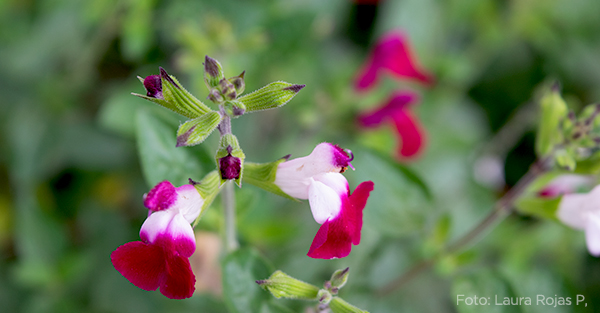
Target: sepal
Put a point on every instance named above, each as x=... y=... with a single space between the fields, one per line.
x=553 y=111
x=195 y=131
x=339 y=279
x=230 y=159
x=213 y=72
x=234 y=108
x=238 y=83
x=208 y=188
x=281 y=285
x=262 y=175
x=271 y=96
x=174 y=93
x=338 y=305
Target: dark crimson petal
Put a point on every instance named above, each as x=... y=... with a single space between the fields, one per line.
x=367 y=76
x=394 y=55
x=399 y=101
x=142 y=264
x=153 y=86
x=411 y=135
x=161 y=197
x=336 y=236
x=180 y=281
x=230 y=167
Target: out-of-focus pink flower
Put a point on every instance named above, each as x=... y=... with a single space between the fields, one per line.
x=317 y=177
x=582 y=211
x=566 y=184
x=396 y=111
x=160 y=259
x=391 y=54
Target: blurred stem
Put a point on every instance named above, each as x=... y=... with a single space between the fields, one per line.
x=228 y=197
x=502 y=208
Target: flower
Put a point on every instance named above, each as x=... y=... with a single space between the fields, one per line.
x=317 y=177
x=396 y=110
x=390 y=54
x=566 y=184
x=230 y=166
x=153 y=86
x=160 y=259
x=582 y=211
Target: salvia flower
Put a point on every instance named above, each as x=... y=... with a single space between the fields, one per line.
x=397 y=111
x=317 y=177
x=160 y=259
x=153 y=86
x=566 y=184
x=392 y=55
x=582 y=211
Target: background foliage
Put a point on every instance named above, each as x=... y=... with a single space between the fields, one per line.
x=77 y=151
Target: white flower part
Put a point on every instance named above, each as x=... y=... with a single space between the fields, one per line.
x=592 y=233
x=167 y=222
x=574 y=209
x=325 y=196
x=568 y=183
x=294 y=176
x=189 y=202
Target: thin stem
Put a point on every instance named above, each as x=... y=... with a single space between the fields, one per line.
x=501 y=209
x=228 y=198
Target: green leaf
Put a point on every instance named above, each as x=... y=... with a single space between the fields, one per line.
x=262 y=175
x=553 y=110
x=338 y=305
x=282 y=285
x=271 y=96
x=159 y=157
x=194 y=132
x=241 y=270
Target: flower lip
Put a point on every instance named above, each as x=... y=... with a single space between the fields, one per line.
x=153 y=86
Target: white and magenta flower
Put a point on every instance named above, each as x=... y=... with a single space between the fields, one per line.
x=582 y=211
x=397 y=111
x=566 y=184
x=160 y=259
x=317 y=177
x=391 y=54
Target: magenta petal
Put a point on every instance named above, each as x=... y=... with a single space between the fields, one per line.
x=142 y=264
x=411 y=136
x=367 y=76
x=396 y=103
x=179 y=280
x=336 y=236
x=394 y=55
x=161 y=197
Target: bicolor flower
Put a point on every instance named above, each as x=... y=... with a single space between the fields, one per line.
x=582 y=211
x=317 y=177
x=566 y=184
x=392 y=55
x=396 y=110
x=160 y=259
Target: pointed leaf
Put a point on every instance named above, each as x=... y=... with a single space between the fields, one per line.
x=195 y=131
x=271 y=96
x=184 y=102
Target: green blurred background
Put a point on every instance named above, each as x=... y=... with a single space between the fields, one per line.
x=77 y=151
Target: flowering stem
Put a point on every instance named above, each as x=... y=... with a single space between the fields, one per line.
x=228 y=198
x=502 y=208
x=225 y=125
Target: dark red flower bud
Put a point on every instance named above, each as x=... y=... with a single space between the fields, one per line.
x=230 y=166
x=153 y=86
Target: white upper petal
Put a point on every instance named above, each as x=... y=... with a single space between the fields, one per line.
x=189 y=202
x=324 y=202
x=592 y=233
x=571 y=210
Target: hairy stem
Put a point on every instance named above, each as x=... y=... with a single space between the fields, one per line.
x=228 y=197
x=501 y=209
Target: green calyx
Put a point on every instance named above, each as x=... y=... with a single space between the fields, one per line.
x=281 y=285
x=553 y=111
x=263 y=175
x=338 y=305
x=208 y=188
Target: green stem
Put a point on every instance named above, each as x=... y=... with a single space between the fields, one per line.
x=502 y=208
x=228 y=198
